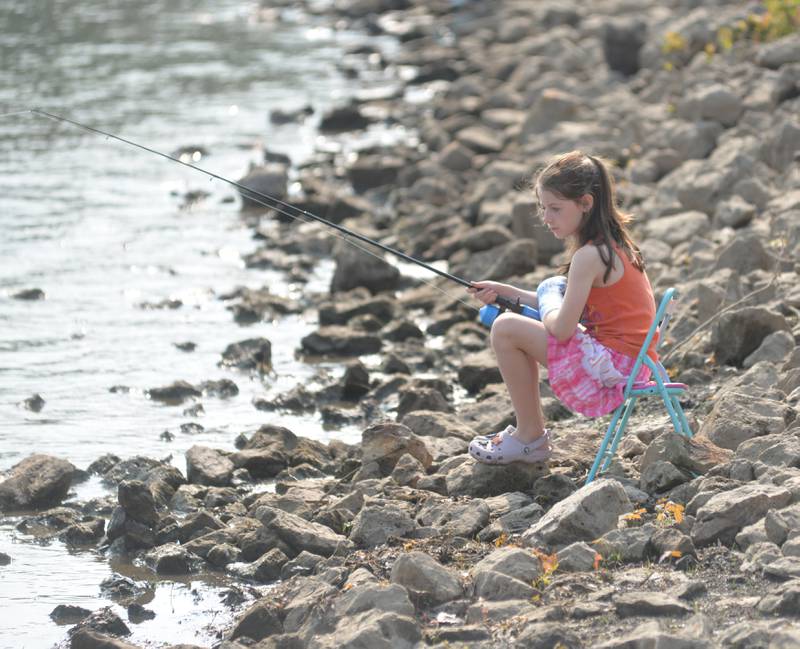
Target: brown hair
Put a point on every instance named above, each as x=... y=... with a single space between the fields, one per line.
x=571 y=176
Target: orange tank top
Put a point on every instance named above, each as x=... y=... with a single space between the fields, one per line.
x=619 y=315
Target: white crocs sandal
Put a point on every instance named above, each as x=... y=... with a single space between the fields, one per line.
x=509 y=449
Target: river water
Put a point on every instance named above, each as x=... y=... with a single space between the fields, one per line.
x=101 y=229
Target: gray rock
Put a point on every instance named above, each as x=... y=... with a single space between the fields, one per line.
x=514 y=522
x=373 y=629
x=585 y=515
x=299 y=534
x=577 y=557
x=744 y=254
x=628 y=545
x=376 y=522
x=714 y=102
x=385 y=443
x=660 y=476
x=738 y=333
x=91 y=639
x=506 y=573
x=249 y=354
x=774 y=349
x=208 y=466
x=726 y=513
x=735 y=212
x=480 y=480
x=38 y=481
x=642 y=603
x=678 y=228
x=340 y=341
x=270 y=180
x=170 y=559
x=426 y=580
x=650 y=634
x=785 y=600
x=257 y=622
x=545 y=635
x=137 y=500
x=455 y=518
x=782 y=524
x=430 y=423
x=737 y=417
x=781 y=52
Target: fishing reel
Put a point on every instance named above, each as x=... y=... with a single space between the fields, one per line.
x=489 y=312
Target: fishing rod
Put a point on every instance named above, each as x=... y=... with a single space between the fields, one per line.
x=487 y=313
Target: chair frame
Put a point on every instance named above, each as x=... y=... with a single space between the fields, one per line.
x=658 y=385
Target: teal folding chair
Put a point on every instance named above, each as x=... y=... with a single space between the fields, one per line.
x=658 y=385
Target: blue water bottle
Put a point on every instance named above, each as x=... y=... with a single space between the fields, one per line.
x=489 y=312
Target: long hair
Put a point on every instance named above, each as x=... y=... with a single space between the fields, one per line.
x=571 y=176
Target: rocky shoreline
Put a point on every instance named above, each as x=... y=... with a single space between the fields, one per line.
x=403 y=540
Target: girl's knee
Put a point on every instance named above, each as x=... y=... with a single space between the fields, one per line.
x=511 y=327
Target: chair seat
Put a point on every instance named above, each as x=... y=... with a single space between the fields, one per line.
x=647 y=385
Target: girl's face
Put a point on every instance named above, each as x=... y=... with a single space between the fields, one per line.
x=561 y=215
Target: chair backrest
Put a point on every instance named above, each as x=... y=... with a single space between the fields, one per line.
x=657 y=327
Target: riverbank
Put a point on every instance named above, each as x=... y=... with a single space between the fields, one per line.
x=402 y=540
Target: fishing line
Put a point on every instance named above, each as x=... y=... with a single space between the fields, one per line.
x=275 y=204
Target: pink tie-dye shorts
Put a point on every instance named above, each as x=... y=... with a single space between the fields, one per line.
x=588 y=377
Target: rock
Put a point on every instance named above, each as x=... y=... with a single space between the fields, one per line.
x=69 y=614
x=782 y=524
x=774 y=349
x=386 y=443
x=456 y=157
x=737 y=417
x=547 y=635
x=101 y=621
x=578 y=557
x=779 y=53
x=585 y=515
x=373 y=629
x=355 y=382
x=169 y=559
x=480 y=139
x=622 y=39
x=29 y=294
x=5 y=559
x=258 y=622
x=551 y=107
x=37 y=482
x=421 y=398
x=784 y=601
x=480 y=480
x=734 y=212
x=661 y=476
x=268 y=568
x=744 y=254
x=299 y=534
x=714 y=102
x=513 y=522
x=89 y=639
x=478 y=370
x=137 y=500
x=627 y=545
x=408 y=470
x=428 y=582
x=354 y=269
x=138 y=614
x=267 y=182
x=449 y=518
x=34 y=403
x=174 y=394
x=375 y=523
x=371 y=171
x=343 y=118
x=678 y=228
x=738 y=333
x=430 y=423
x=506 y=573
x=249 y=354
x=691 y=455
x=651 y=635
x=649 y=604
x=340 y=341
x=726 y=513
x=208 y=466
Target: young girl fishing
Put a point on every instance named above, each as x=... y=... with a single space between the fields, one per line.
x=593 y=320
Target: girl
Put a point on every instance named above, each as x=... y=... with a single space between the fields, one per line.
x=589 y=337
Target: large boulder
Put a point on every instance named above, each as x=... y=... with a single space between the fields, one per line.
x=38 y=481
x=585 y=515
x=737 y=417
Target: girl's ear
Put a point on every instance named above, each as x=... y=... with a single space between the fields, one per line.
x=587 y=202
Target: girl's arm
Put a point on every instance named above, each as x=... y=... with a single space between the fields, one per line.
x=585 y=266
x=487 y=291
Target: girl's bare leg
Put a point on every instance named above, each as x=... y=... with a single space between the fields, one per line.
x=520 y=344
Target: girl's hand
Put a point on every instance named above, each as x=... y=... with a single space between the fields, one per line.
x=485 y=291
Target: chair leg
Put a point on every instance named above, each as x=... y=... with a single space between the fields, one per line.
x=610 y=432
x=620 y=431
x=685 y=428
